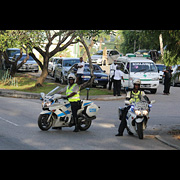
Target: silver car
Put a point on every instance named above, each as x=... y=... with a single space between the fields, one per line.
x=175 y=75
x=30 y=65
x=111 y=56
x=62 y=67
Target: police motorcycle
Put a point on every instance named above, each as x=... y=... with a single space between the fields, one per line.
x=137 y=117
x=57 y=112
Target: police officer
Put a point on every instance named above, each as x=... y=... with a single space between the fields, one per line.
x=72 y=94
x=132 y=96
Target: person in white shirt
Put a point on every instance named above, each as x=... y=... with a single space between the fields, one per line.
x=111 y=74
x=80 y=71
x=117 y=81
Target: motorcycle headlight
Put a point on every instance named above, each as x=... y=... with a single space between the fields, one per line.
x=137 y=112
x=46 y=104
x=145 y=112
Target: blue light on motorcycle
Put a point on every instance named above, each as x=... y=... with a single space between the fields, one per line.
x=132 y=108
x=150 y=105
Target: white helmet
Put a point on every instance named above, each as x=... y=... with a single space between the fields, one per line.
x=72 y=76
x=137 y=81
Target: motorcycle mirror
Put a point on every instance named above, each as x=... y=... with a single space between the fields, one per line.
x=153 y=101
x=127 y=102
x=43 y=95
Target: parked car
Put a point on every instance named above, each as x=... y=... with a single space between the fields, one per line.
x=160 y=68
x=101 y=78
x=111 y=56
x=175 y=75
x=62 y=67
x=30 y=65
x=52 y=64
x=10 y=52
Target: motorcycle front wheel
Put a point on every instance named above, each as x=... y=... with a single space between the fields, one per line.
x=140 y=130
x=42 y=122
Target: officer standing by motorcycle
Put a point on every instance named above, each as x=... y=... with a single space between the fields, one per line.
x=73 y=95
x=132 y=96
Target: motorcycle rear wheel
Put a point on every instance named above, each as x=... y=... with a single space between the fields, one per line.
x=42 y=122
x=84 y=124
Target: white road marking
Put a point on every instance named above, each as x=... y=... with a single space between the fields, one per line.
x=9 y=121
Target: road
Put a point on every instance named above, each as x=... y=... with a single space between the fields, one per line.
x=19 y=130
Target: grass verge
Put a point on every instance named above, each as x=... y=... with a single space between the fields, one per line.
x=26 y=83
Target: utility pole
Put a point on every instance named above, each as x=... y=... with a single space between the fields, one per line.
x=161 y=47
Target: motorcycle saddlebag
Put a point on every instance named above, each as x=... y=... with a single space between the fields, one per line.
x=92 y=110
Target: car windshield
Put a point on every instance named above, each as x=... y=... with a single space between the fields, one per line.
x=24 y=56
x=11 y=53
x=143 y=67
x=96 y=69
x=70 y=62
x=99 y=53
x=161 y=67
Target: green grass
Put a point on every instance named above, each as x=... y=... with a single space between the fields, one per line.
x=27 y=83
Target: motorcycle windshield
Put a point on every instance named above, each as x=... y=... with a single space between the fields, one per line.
x=54 y=91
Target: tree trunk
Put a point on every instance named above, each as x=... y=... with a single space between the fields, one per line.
x=88 y=83
x=44 y=73
x=161 y=47
x=13 y=69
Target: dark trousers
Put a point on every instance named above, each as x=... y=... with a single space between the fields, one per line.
x=75 y=106
x=167 y=84
x=111 y=82
x=123 y=123
x=79 y=79
x=117 y=87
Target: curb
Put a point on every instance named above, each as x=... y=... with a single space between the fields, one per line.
x=158 y=137
x=26 y=95
x=19 y=94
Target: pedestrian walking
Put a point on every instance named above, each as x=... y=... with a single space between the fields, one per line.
x=167 y=80
x=117 y=81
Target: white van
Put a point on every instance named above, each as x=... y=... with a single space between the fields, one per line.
x=142 y=68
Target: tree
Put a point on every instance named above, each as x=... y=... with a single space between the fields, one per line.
x=22 y=39
x=64 y=38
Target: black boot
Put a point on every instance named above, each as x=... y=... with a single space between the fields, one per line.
x=76 y=126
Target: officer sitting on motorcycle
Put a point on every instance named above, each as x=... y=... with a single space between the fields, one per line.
x=132 y=96
x=72 y=94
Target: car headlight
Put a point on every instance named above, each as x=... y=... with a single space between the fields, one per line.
x=99 y=60
x=86 y=77
x=104 y=77
x=155 y=79
x=137 y=112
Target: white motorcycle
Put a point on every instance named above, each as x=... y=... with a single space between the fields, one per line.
x=57 y=112
x=137 y=117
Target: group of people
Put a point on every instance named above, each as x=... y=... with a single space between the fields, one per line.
x=73 y=91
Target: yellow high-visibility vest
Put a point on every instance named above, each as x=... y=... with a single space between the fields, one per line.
x=135 y=97
x=74 y=98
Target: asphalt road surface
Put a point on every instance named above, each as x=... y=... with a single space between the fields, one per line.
x=19 y=129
